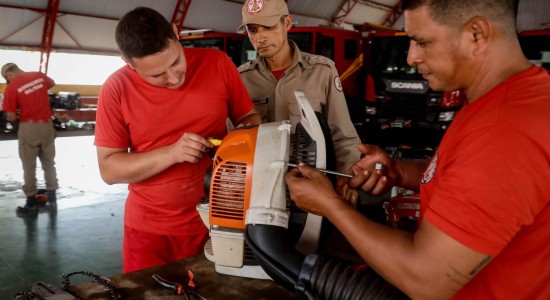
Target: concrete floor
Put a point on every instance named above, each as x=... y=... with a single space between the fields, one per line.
x=84 y=234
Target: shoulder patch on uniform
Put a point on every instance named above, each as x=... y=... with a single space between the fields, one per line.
x=338 y=83
x=319 y=59
x=246 y=66
x=430 y=171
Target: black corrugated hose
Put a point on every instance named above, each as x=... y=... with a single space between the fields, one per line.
x=315 y=277
x=334 y=279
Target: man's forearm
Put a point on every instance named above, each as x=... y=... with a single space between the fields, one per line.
x=411 y=173
x=427 y=265
x=388 y=251
x=124 y=167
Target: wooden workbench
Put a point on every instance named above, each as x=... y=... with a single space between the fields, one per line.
x=210 y=284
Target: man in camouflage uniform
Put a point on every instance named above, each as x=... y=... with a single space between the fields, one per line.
x=281 y=68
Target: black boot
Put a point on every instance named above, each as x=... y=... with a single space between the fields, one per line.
x=30 y=207
x=52 y=199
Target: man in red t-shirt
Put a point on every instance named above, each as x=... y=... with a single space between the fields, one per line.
x=484 y=196
x=153 y=118
x=26 y=98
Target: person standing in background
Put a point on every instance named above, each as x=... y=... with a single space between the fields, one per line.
x=26 y=99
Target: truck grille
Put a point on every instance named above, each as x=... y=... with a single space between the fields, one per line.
x=410 y=107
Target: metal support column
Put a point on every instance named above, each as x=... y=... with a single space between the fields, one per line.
x=50 y=18
x=180 y=11
x=394 y=15
x=343 y=11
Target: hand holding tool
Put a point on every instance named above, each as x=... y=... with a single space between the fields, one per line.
x=214 y=141
x=212 y=151
x=323 y=170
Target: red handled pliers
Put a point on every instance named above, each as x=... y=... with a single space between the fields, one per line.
x=187 y=290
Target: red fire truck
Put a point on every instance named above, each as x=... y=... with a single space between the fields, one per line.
x=230 y=43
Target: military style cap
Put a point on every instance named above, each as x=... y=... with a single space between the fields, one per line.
x=263 y=12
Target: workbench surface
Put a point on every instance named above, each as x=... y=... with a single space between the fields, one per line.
x=209 y=284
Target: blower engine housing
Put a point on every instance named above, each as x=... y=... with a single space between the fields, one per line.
x=247 y=187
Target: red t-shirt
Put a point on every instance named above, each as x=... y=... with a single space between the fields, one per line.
x=488 y=187
x=132 y=113
x=278 y=73
x=28 y=92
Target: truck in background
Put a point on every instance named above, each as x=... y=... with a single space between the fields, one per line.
x=536 y=46
x=401 y=110
x=230 y=43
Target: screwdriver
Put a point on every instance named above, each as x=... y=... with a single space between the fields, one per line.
x=322 y=170
x=214 y=141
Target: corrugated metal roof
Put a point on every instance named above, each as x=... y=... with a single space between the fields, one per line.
x=224 y=16
x=88 y=26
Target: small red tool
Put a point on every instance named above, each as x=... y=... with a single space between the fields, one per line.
x=187 y=290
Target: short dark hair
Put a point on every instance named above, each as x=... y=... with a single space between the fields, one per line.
x=142 y=32
x=9 y=67
x=456 y=13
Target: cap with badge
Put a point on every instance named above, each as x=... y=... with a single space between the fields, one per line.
x=263 y=12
